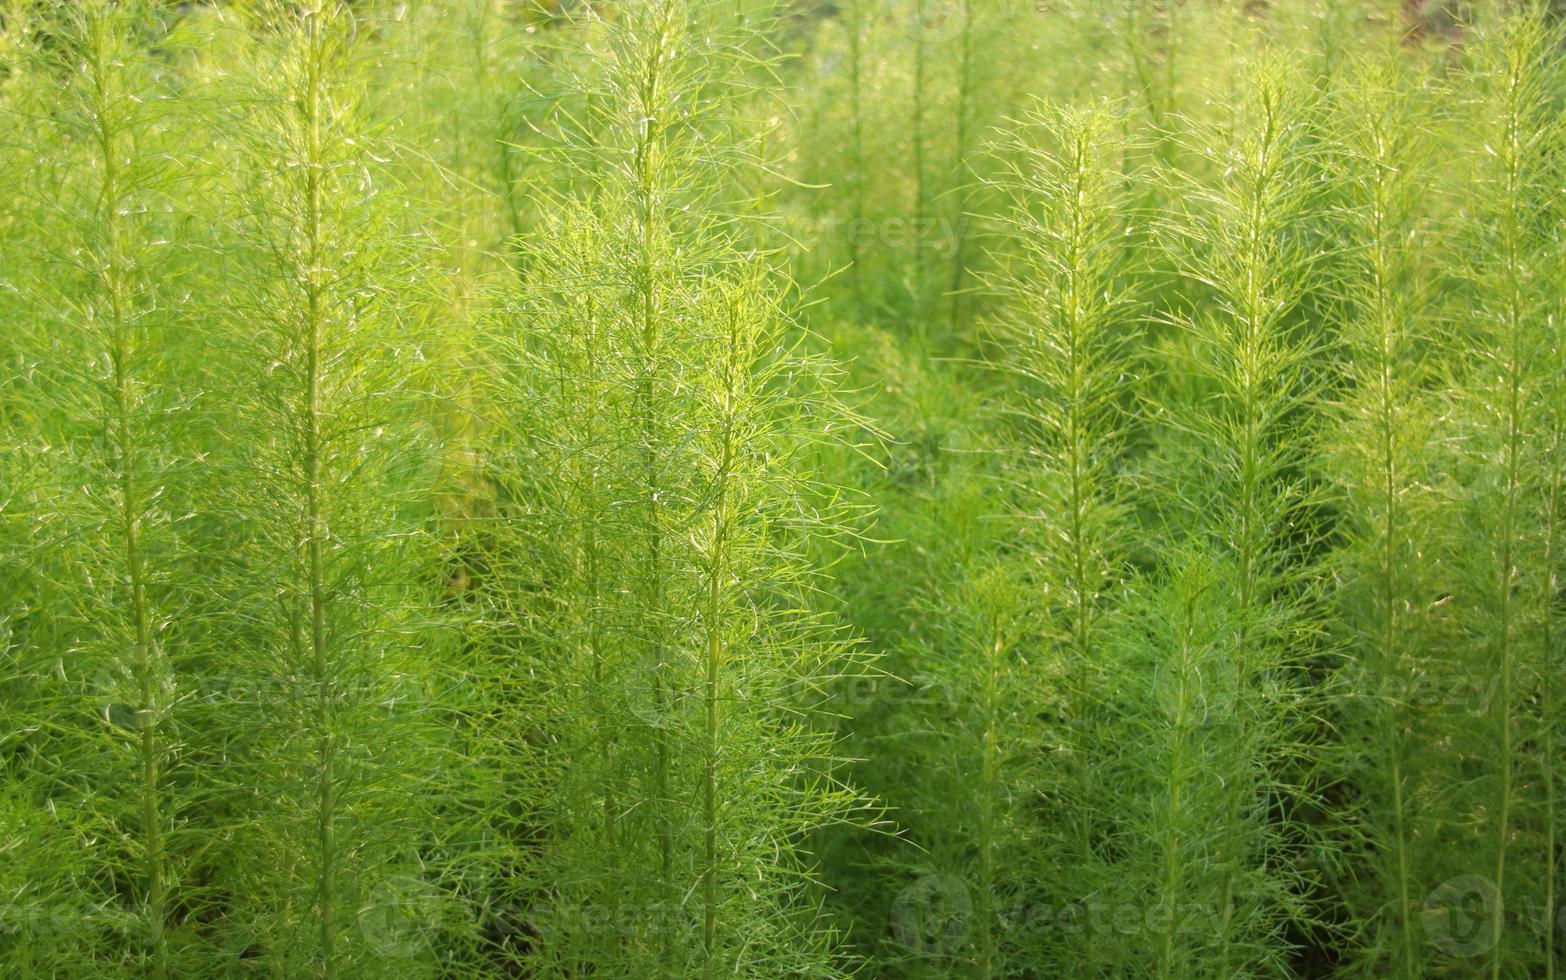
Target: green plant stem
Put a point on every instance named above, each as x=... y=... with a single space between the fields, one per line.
x=593 y=559
x=132 y=509
x=1171 y=49
x=315 y=528
x=1553 y=519
x=717 y=571
x=857 y=112
x=505 y=168
x=1555 y=590
x=917 y=134
x=714 y=662
x=1173 y=875
x=1139 y=67
x=989 y=782
x=1513 y=368
x=646 y=161
x=1385 y=348
x=1249 y=535
x=1391 y=633
x=960 y=161
x=1074 y=304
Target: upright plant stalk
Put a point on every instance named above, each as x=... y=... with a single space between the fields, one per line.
x=1186 y=660
x=482 y=17
x=647 y=159
x=1170 y=658
x=732 y=367
x=1251 y=316
x=551 y=418
x=1256 y=267
x=997 y=652
x=1172 y=42
x=1512 y=367
x=683 y=771
x=504 y=154
x=314 y=272
x=131 y=516
x=1521 y=139
x=1553 y=632
x=1140 y=74
x=1553 y=628
x=104 y=29
x=916 y=134
x=1384 y=474
x=1550 y=634
x=981 y=666
x=1064 y=330
x=615 y=232
x=856 y=25
x=91 y=422
x=332 y=454
x=964 y=111
x=1068 y=322
x=743 y=554
x=710 y=697
x=1179 y=767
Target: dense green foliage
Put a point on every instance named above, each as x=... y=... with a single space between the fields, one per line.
x=681 y=488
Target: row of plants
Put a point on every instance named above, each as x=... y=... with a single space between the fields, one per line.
x=677 y=488
x=1224 y=624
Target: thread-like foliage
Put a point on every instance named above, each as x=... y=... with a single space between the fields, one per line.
x=1246 y=505
x=674 y=615
x=1501 y=394
x=321 y=445
x=91 y=351
x=1066 y=330
x=483 y=483
x=1388 y=571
